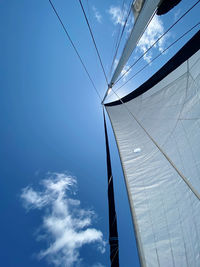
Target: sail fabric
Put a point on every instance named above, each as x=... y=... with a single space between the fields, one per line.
x=166 y=213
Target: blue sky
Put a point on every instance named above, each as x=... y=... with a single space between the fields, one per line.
x=52 y=132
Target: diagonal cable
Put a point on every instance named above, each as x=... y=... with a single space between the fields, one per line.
x=118 y=34
x=157 y=41
x=121 y=35
x=183 y=177
x=187 y=182
x=75 y=49
x=157 y=56
x=94 y=42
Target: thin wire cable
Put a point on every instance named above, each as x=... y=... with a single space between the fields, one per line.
x=160 y=149
x=117 y=35
x=112 y=84
x=157 y=57
x=88 y=8
x=120 y=26
x=92 y=36
x=123 y=29
x=75 y=49
x=156 y=41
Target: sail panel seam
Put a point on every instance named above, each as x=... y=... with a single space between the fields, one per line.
x=189 y=49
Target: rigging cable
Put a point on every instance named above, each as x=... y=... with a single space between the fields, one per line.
x=122 y=32
x=88 y=8
x=187 y=182
x=156 y=41
x=157 y=57
x=121 y=18
x=113 y=233
x=92 y=36
x=75 y=49
x=118 y=33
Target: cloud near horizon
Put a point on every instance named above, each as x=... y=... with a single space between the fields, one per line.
x=66 y=226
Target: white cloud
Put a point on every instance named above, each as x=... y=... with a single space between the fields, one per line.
x=177 y=14
x=152 y=33
x=124 y=70
x=66 y=225
x=97 y=15
x=117 y=15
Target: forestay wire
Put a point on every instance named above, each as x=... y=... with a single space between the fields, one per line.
x=186 y=181
x=94 y=42
x=194 y=191
x=120 y=38
x=158 y=56
x=182 y=16
x=115 y=44
x=75 y=49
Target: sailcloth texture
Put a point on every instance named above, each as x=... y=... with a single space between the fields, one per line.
x=157 y=129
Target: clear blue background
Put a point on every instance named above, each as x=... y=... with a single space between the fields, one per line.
x=51 y=118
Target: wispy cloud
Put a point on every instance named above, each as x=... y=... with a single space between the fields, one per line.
x=124 y=70
x=177 y=14
x=66 y=225
x=97 y=14
x=117 y=15
x=152 y=33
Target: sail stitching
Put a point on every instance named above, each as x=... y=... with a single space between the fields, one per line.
x=166 y=87
x=170 y=136
x=176 y=199
x=179 y=212
x=160 y=149
x=189 y=144
x=167 y=224
x=187 y=88
x=132 y=208
x=191 y=204
x=181 y=121
x=195 y=87
x=151 y=223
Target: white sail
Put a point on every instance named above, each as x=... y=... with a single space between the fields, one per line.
x=157 y=130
